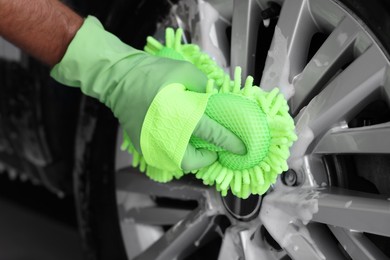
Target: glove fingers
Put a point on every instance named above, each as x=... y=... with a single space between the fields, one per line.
x=197 y=83
x=214 y=133
x=191 y=77
x=195 y=159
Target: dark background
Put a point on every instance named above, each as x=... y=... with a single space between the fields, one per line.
x=35 y=224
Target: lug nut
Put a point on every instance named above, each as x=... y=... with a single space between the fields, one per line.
x=290 y=178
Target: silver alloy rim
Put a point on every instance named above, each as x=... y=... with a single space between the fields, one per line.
x=348 y=72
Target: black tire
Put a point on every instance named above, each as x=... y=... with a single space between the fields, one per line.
x=95 y=183
x=375 y=15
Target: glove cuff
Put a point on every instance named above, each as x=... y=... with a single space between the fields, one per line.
x=89 y=59
x=169 y=124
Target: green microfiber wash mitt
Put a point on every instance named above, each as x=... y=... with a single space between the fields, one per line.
x=259 y=118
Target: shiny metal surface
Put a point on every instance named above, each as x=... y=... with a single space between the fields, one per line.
x=354 y=210
x=245 y=26
x=189 y=227
x=356 y=244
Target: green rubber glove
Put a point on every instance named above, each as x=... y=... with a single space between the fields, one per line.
x=127 y=80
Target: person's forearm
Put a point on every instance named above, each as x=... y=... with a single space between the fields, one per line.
x=42 y=28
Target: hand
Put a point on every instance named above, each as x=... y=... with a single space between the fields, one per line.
x=128 y=80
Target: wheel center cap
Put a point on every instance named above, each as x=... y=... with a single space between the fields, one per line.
x=244 y=210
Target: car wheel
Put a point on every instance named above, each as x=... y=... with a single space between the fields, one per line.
x=331 y=61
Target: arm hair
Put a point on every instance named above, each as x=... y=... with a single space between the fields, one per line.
x=42 y=28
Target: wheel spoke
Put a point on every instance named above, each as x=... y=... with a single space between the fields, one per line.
x=246 y=20
x=313 y=243
x=358 y=246
x=187 y=188
x=348 y=92
x=285 y=213
x=288 y=52
x=336 y=51
x=354 y=210
x=369 y=139
x=181 y=239
x=334 y=206
x=155 y=215
x=248 y=244
x=231 y=247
